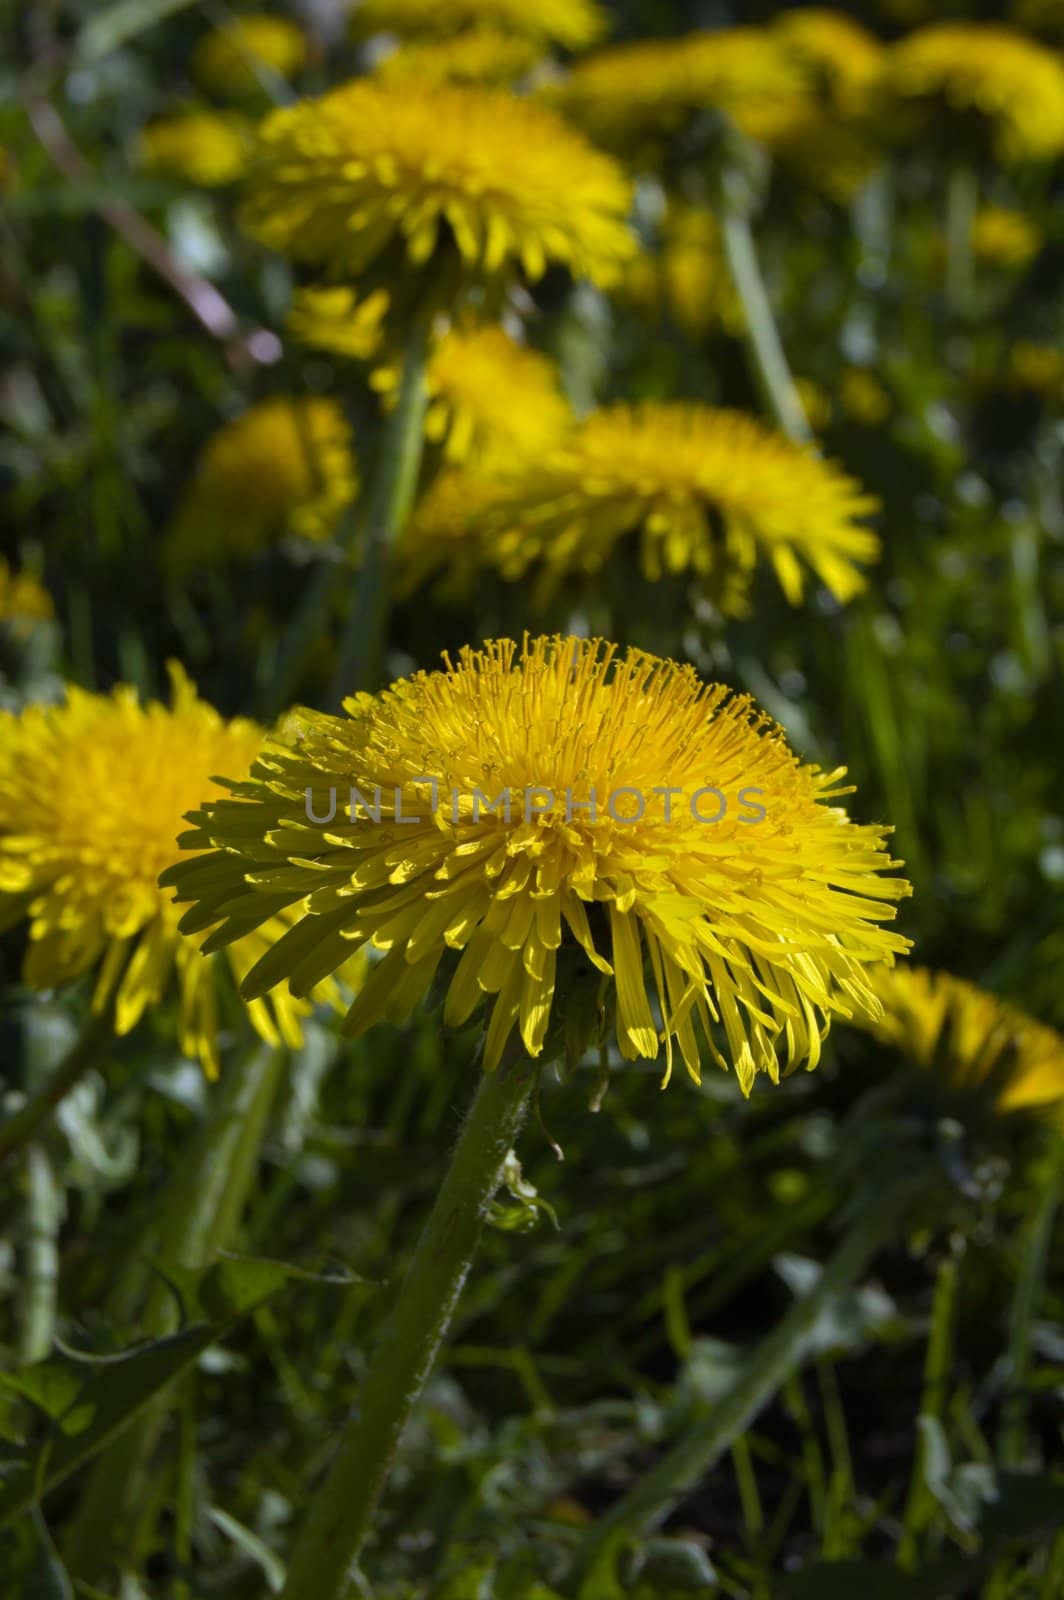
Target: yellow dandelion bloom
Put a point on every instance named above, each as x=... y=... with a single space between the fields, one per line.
x=704 y=491
x=227 y=62
x=1002 y=238
x=92 y=795
x=438 y=540
x=23 y=599
x=863 y=398
x=972 y=1039
x=338 y=321
x=1037 y=369
x=839 y=54
x=993 y=83
x=764 y=927
x=634 y=93
x=688 y=280
x=816 y=146
x=203 y=147
x=573 y=24
x=500 y=182
x=488 y=396
x=484 y=55
x=286 y=466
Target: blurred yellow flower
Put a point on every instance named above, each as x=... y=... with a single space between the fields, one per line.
x=573 y=24
x=1036 y=368
x=863 y=397
x=338 y=321
x=813 y=143
x=286 y=466
x=23 y=599
x=688 y=280
x=703 y=491
x=438 y=540
x=816 y=403
x=605 y=856
x=92 y=797
x=1003 y=238
x=971 y=1039
x=203 y=147
x=488 y=397
x=985 y=77
x=484 y=55
x=227 y=61
x=634 y=94
x=490 y=183
x=839 y=54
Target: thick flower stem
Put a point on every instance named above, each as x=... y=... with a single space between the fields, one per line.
x=767 y=359
x=391 y=500
x=340 y=1514
x=962 y=201
x=772 y=1363
x=81 y=1057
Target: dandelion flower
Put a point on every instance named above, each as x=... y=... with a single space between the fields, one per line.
x=835 y=50
x=973 y=1041
x=501 y=182
x=92 y=793
x=284 y=467
x=863 y=398
x=631 y=95
x=1005 y=239
x=484 y=55
x=573 y=24
x=437 y=541
x=704 y=491
x=1036 y=369
x=816 y=146
x=229 y=59
x=689 y=279
x=767 y=929
x=979 y=84
x=202 y=147
x=23 y=599
x=338 y=321
x=488 y=395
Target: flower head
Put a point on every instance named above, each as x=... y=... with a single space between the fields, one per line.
x=973 y=1041
x=372 y=168
x=980 y=82
x=483 y=55
x=689 y=279
x=92 y=793
x=229 y=59
x=1002 y=238
x=573 y=24
x=704 y=491
x=283 y=467
x=488 y=397
x=835 y=50
x=203 y=147
x=338 y=321
x=602 y=863
x=23 y=599
x=630 y=95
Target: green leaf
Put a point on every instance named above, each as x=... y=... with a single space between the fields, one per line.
x=121 y=22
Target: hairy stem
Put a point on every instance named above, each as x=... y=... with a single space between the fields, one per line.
x=341 y=1512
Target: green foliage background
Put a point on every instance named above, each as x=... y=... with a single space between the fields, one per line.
x=674 y=1232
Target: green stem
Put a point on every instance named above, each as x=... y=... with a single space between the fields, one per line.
x=920 y=1504
x=764 y=346
x=365 y=632
x=340 y=1514
x=1030 y=1282
x=768 y=1369
x=44 y=1213
x=200 y=1213
x=962 y=202
x=20 y=1128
